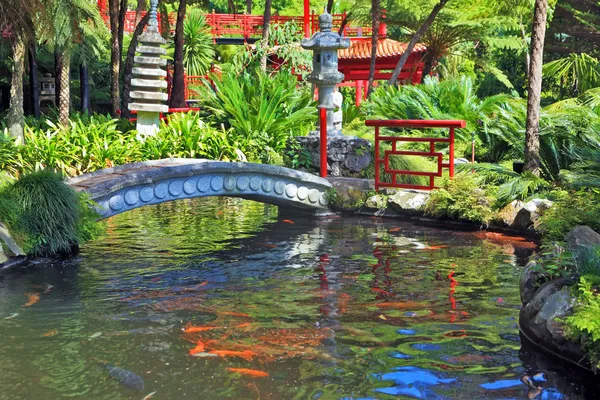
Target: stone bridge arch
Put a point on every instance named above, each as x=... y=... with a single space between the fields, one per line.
x=131 y=186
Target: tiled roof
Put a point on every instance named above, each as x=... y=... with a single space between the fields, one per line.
x=361 y=48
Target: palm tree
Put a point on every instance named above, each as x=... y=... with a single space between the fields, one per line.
x=376 y=21
x=532 y=134
x=177 y=99
x=116 y=13
x=16 y=16
x=416 y=37
x=581 y=71
x=198 y=49
x=69 y=20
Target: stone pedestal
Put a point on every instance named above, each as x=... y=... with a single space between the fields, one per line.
x=346 y=156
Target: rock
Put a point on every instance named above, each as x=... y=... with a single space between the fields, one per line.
x=411 y=201
x=528 y=215
x=582 y=236
x=540 y=319
x=350 y=193
x=377 y=202
x=3 y=258
x=345 y=155
x=9 y=241
x=507 y=216
x=528 y=283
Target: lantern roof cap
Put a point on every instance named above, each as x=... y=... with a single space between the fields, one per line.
x=326 y=39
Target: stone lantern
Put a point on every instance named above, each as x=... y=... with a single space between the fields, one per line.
x=148 y=97
x=325 y=75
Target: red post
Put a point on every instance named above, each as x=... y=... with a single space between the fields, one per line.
x=451 y=153
x=359 y=87
x=306 y=18
x=376 y=158
x=323 y=122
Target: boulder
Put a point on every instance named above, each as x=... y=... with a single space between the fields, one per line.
x=529 y=214
x=528 y=283
x=540 y=317
x=12 y=245
x=408 y=201
x=3 y=258
x=507 y=216
x=582 y=236
x=377 y=202
x=350 y=193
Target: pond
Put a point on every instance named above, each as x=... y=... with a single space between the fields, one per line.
x=221 y=299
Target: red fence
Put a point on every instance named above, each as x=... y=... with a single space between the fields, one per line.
x=385 y=161
x=248 y=26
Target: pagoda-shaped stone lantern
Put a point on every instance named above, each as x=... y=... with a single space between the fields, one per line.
x=325 y=75
x=148 y=96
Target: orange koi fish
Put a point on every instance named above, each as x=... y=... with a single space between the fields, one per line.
x=251 y=372
x=288 y=221
x=244 y=325
x=198 y=349
x=442 y=246
x=33 y=298
x=189 y=328
x=395 y=230
x=245 y=354
x=50 y=333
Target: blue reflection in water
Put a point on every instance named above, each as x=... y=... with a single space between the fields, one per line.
x=407 y=331
x=501 y=384
x=426 y=346
x=412 y=382
x=401 y=356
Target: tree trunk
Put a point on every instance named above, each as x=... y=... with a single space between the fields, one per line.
x=345 y=21
x=248 y=6
x=141 y=7
x=265 y=36
x=231 y=7
x=532 y=128
x=177 y=99
x=84 y=88
x=64 y=103
x=376 y=21
x=34 y=86
x=15 y=117
x=416 y=37
x=127 y=70
x=329 y=6
x=427 y=66
x=115 y=56
x=122 y=14
x=58 y=61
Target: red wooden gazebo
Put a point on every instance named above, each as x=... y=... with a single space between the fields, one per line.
x=355 y=61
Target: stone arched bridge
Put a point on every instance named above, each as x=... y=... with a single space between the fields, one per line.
x=130 y=186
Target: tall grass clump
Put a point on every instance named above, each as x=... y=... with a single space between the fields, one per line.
x=47 y=216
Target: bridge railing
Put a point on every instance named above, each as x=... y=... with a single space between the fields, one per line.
x=247 y=26
x=382 y=159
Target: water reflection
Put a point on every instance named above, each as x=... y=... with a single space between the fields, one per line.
x=216 y=298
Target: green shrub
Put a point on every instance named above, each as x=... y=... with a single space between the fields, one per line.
x=8 y=153
x=569 y=210
x=262 y=111
x=588 y=260
x=583 y=325
x=461 y=198
x=48 y=216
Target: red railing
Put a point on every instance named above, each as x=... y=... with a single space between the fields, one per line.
x=385 y=161
x=247 y=26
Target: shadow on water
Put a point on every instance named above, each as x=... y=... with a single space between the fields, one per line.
x=219 y=298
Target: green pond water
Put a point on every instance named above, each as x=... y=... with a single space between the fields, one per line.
x=298 y=308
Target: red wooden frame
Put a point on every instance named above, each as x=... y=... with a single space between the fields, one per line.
x=384 y=161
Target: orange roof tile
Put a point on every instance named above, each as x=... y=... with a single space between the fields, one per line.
x=361 y=48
